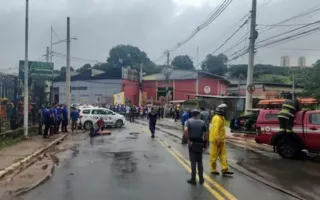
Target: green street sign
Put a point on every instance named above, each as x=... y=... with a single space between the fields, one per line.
x=37 y=70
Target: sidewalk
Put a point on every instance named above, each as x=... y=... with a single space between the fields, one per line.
x=15 y=153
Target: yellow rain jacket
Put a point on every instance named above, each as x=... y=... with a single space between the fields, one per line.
x=217 y=129
x=217 y=140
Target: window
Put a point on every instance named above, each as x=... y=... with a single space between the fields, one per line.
x=86 y=111
x=95 y=112
x=102 y=112
x=109 y=112
x=271 y=116
x=315 y=118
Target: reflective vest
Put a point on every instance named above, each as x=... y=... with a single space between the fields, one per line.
x=288 y=109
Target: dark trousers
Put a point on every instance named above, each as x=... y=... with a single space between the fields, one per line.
x=152 y=127
x=46 y=130
x=286 y=125
x=64 y=126
x=196 y=159
x=131 y=118
x=57 y=126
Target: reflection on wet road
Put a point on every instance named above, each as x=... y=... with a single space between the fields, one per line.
x=126 y=165
x=130 y=165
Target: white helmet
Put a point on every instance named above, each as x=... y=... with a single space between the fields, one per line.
x=221 y=109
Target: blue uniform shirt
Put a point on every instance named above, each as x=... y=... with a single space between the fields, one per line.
x=74 y=115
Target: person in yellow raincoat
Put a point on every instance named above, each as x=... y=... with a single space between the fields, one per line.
x=217 y=139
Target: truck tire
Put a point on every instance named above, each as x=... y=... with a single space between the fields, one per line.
x=288 y=148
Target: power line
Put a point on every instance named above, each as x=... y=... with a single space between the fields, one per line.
x=76 y=58
x=302 y=14
x=284 y=25
x=216 y=13
x=266 y=3
x=229 y=38
x=54 y=32
x=290 y=31
x=290 y=38
x=278 y=41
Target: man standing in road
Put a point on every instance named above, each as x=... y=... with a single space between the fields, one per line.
x=218 y=142
x=185 y=116
x=196 y=133
x=74 y=118
x=152 y=116
x=204 y=116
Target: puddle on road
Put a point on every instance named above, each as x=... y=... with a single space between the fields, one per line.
x=133 y=135
x=124 y=163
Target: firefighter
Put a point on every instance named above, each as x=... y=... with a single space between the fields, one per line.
x=217 y=141
x=287 y=115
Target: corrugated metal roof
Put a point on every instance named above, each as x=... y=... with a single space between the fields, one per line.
x=178 y=74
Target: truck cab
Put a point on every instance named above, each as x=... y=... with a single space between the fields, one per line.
x=305 y=136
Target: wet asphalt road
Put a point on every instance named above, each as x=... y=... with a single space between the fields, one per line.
x=130 y=165
x=301 y=177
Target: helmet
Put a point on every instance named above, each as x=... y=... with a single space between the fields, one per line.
x=221 y=109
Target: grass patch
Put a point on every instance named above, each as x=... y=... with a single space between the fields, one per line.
x=7 y=142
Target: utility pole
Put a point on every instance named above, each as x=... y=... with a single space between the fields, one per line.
x=51 y=44
x=26 y=75
x=51 y=54
x=47 y=55
x=253 y=37
x=140 y=85
x=167 y=75
x=68 y=66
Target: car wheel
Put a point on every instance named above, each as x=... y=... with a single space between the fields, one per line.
x=119 y=123
x=87 y=125
x=287 y=148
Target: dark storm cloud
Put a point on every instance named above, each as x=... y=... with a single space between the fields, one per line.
x=152 y=25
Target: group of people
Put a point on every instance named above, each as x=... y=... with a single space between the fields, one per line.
x=201 y=129
x=55 y=117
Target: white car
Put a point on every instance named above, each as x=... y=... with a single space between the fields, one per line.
x=90 y=115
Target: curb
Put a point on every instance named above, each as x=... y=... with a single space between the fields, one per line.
x=33 y=186
x=27 y=159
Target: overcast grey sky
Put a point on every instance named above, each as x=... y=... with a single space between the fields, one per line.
x=152 y=25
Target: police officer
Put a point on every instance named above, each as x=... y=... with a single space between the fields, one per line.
x=287 y=115
x=196 y=133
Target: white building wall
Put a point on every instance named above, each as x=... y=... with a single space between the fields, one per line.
x=89 y=91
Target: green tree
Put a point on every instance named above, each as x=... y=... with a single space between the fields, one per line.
x=215 y=64
x=130 y=56
x=310 y=80
x=183 y=62
x=63 y=70
x=84 y=69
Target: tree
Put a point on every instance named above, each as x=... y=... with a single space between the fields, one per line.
x=310 y=81
x=63 y=70
x=182 y=62
x=130 y=56
x=215 y=64
x=84 y=69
